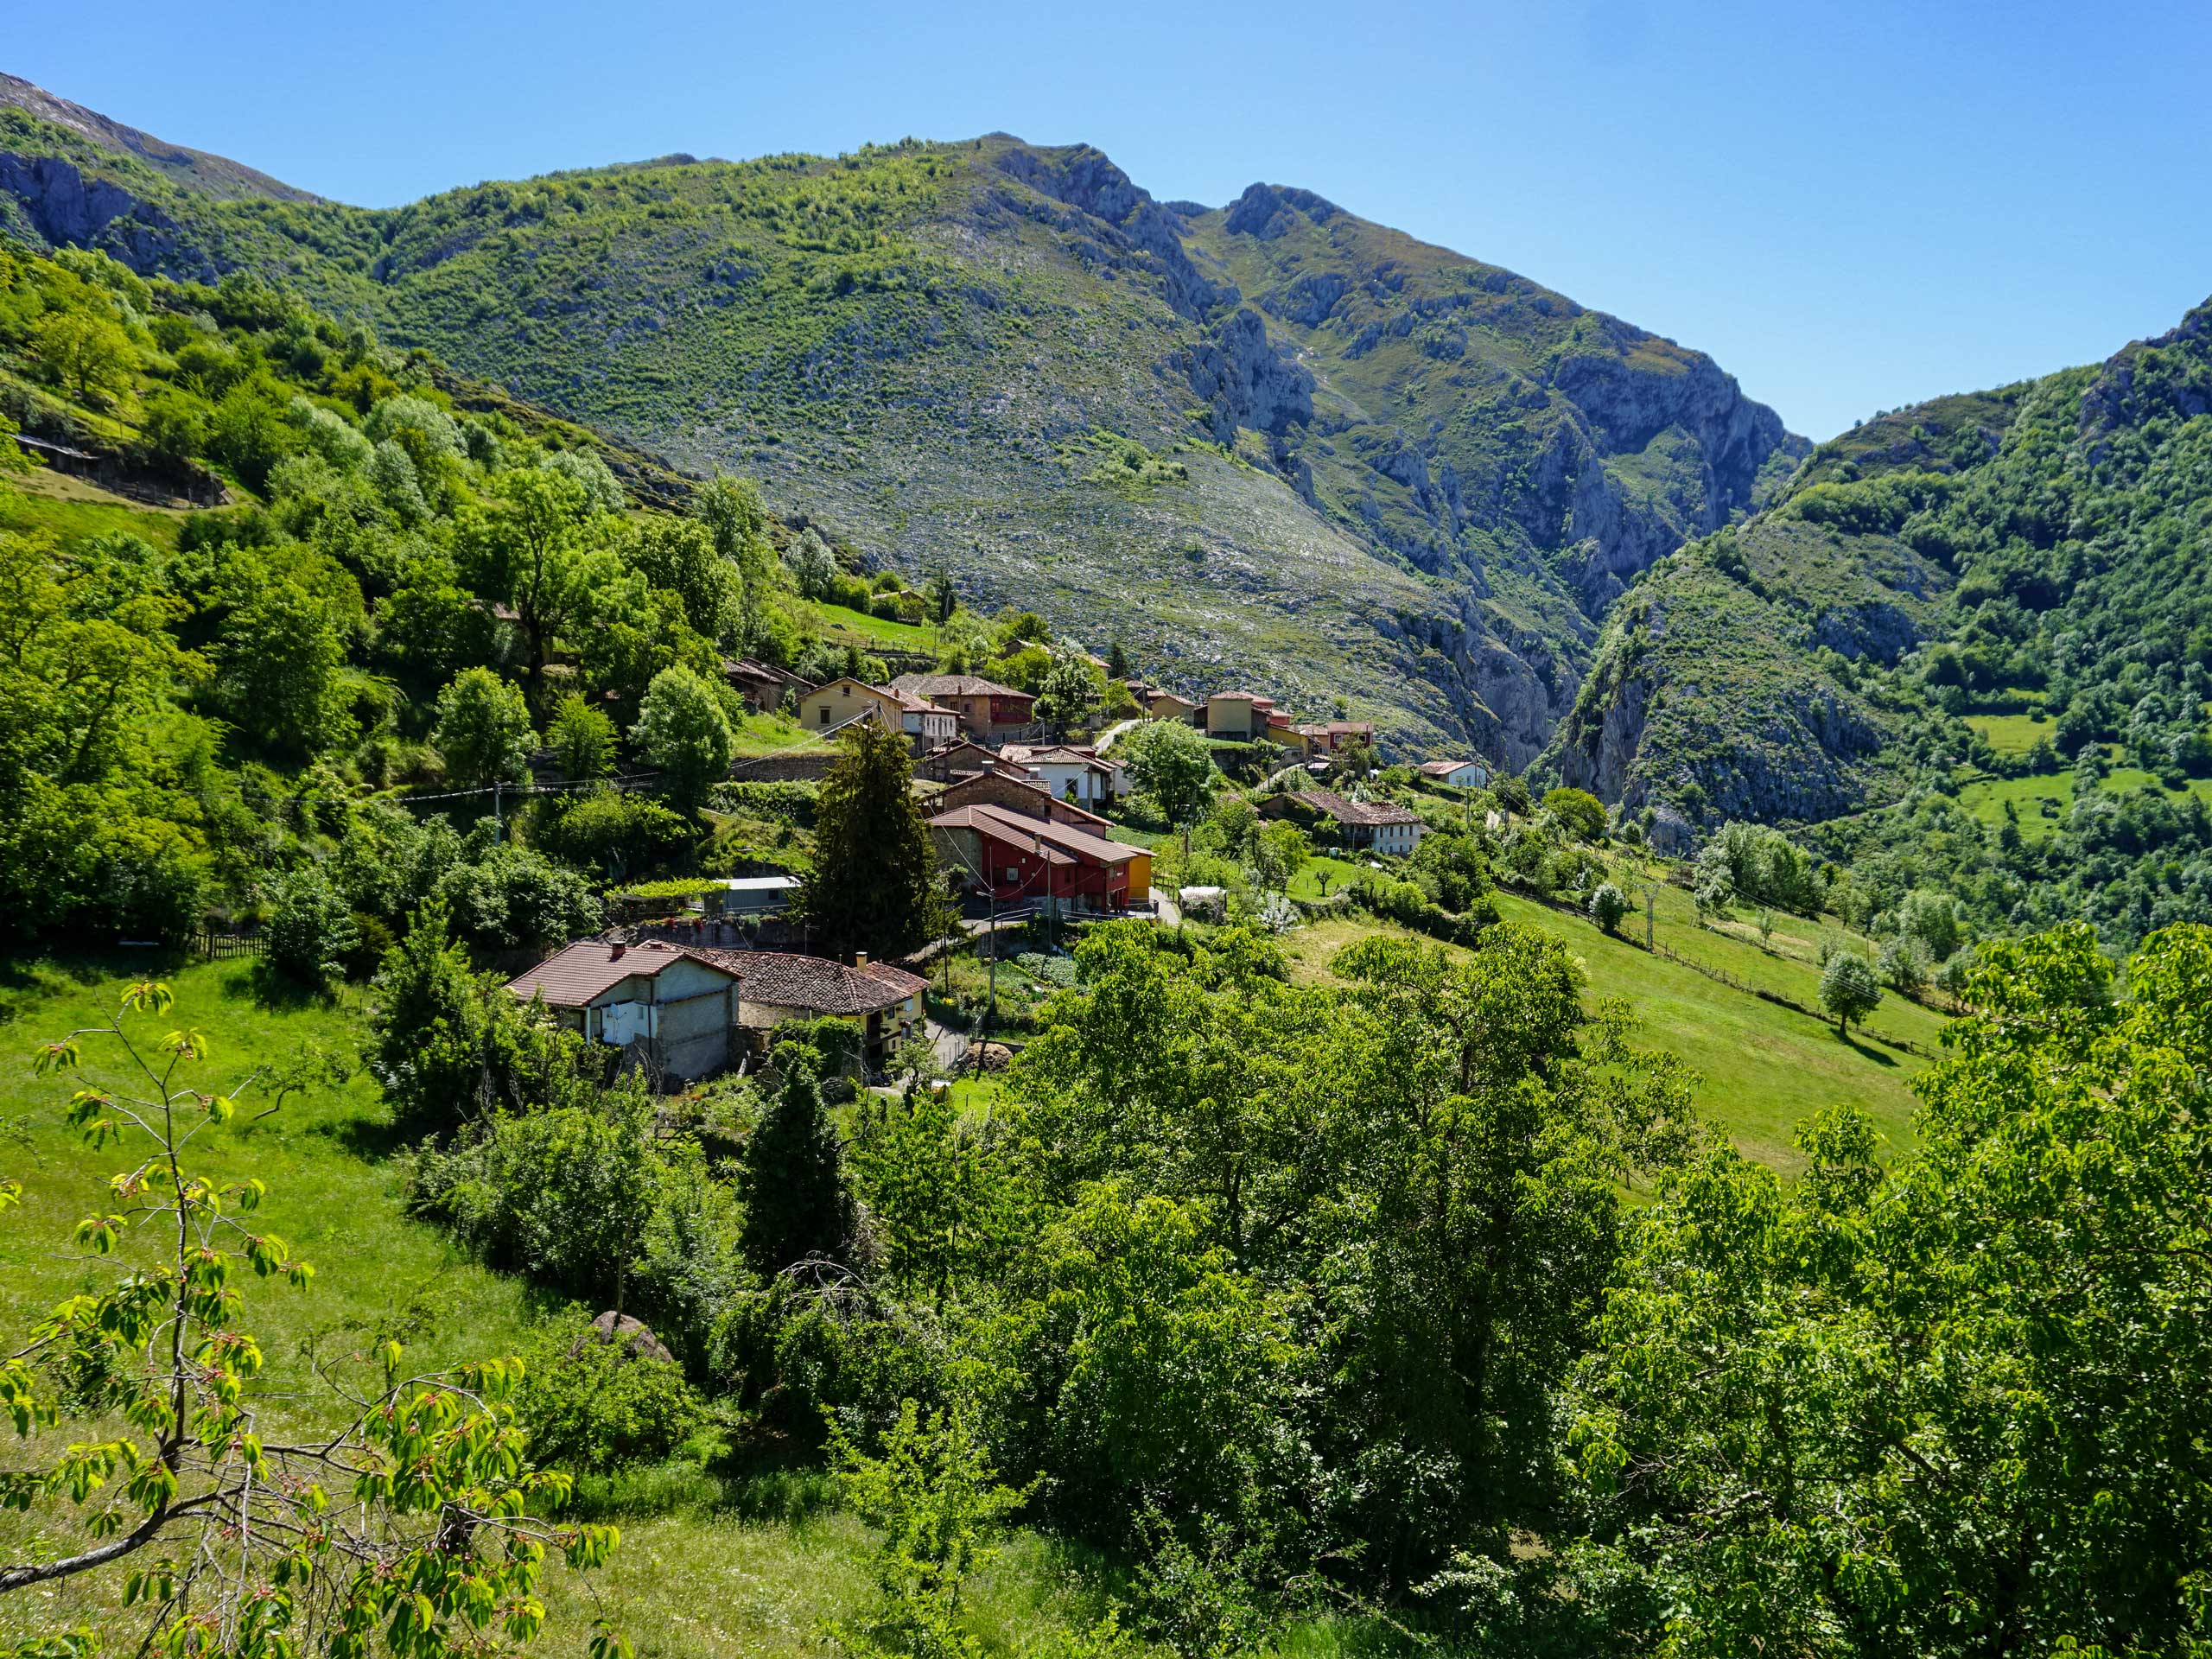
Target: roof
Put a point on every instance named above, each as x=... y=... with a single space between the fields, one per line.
x=955 y=685
x=1357 y=812
x=1004 y=823
x=1170 y=696
x=760 y=883
x=1044 y=796
x=582 y=973
x=779 y=979
x=1445 y=768
x=1060 y=754
x=1351 y=728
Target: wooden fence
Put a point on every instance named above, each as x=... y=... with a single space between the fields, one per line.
x=226 y=944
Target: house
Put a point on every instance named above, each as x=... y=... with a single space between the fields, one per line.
x=1381 y=826
x=763 y=685
x=1015 y=858
x=984 y=708
x=1062 y=769
x=1460 y=774
x=843 y=699
x=1166 y=705
x=757 y=895
x=954 y=760
x=1240 y=715
x=672 y=1008
x=1001 y=786
x=1303 y=740
x=884 y=1002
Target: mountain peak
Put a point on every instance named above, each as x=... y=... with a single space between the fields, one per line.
x=195 y=170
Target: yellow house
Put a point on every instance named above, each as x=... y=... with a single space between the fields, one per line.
x=827 y=707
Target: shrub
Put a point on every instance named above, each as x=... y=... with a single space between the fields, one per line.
x=599 y=1408
x=1608 y=904
x=311 y=930
x=616 y=835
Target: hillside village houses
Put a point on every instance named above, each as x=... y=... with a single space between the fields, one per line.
x=1014 y=820
x=683 y=1010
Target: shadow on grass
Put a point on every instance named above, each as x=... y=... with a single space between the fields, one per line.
x=773 y=1487
x=1864 y=1052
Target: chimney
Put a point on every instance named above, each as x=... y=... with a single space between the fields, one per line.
x=615 y=955
x=859 y=958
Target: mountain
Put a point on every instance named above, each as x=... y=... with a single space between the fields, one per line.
x=1271 y=442
x=1972 y=636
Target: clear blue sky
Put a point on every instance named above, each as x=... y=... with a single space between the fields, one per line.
x=1849 y=207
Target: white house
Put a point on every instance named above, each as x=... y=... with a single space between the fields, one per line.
x=1460 y=774
x=671 y=1005
x=1058 y=768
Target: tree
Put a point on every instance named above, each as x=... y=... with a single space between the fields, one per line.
x=942 y=598
x=89 y=353
x=1905 y=1409
x=813 y=566
x=1282 y=850
x=797 y=1204
x=282 y=673
x=874 y=883
x=1848 y=988
x=732 y=511
x=527 y=546
x=1170 y=761
x=582 y=738
x=1581 y=814
x=484 y=730
x=437 y=1536
x=1069 y=694
x=1117 y=662
x=680 y=555
x=1608 y=904
x=683 y=730
x=311 y=930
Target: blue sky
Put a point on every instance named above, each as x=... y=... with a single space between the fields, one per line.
x=1850 y=207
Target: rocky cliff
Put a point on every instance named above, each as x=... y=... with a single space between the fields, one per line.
x=1270 y=440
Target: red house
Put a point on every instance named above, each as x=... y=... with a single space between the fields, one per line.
x=1015 y=858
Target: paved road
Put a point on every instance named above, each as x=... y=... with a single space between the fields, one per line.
x=1112 y=734
x=1170 y=912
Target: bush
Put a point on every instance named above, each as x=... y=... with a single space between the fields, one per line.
x=311 y=930
x=617 y=835
x=598 y=1408
x=1608 y=904
x=791 y=804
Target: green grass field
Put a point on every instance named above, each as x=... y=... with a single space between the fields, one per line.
x=1763 y=1068
x=841 y=623
x=2013 y=734
x=709 y=1565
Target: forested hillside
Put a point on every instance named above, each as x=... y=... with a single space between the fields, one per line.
x=1959 y=613
x=1272 y=439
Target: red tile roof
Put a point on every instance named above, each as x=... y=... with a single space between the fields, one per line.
x=778 y=979
x=956 y=685
x=579 y=974
x=1006 y=824
x=1356 y=812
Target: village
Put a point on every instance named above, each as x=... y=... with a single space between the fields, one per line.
x=1022 y=818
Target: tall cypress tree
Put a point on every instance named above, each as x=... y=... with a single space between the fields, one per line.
x=874 y=885
x=796 y=1204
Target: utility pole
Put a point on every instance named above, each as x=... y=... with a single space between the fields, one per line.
x=497 y=785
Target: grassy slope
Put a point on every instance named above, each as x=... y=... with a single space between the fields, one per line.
x=707 y=1567
x=1763 y=1068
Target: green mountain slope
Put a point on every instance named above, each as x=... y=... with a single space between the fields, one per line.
x=1933 y=593
x=1272 y=442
